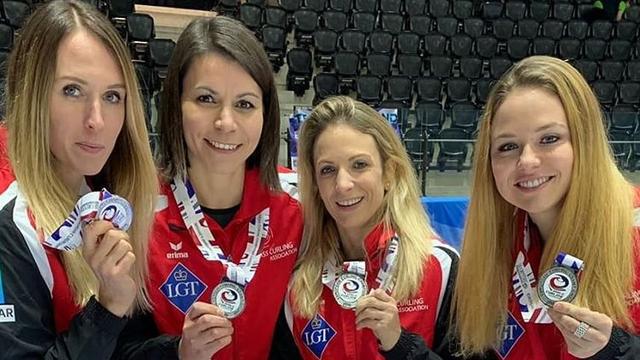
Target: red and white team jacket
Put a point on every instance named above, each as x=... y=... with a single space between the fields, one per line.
x=539 y=339
x=332 y=333
x=180 y=275
x=6 y=173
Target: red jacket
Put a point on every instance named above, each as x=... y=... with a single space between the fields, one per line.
x=6 y=173
x=332 y=333
x=541 y=341
x=180 y=275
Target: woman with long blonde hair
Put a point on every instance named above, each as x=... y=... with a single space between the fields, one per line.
x=365 y=228
x=549 y=260
x=75 y=122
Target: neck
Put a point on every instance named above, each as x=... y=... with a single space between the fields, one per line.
x=545 y=222
x=72 y=180
x=352 y=241
x=217 y=190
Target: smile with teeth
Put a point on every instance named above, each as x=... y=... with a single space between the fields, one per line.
x=350 y=202
x=222 y=146
x=530 y=184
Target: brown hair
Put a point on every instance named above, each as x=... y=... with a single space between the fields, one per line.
x=230 y=38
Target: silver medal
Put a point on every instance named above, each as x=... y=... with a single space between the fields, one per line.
x=557 y=284
x=229 y=297
x=348 y=288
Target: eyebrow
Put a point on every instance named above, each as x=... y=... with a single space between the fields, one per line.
x=248 y=93
x=350 y=158
x=541 y=128
x=85 y=83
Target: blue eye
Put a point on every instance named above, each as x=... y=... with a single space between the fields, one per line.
x=549 y=139
x=205 y=99
x=246 y=105
x=113 y=97
x=71 y=90
x=507 y=147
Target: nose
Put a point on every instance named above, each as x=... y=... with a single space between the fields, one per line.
x=529 y=158
x=225 y=121
x=95 y=119
x=344 y=181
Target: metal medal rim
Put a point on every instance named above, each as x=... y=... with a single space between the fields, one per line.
x=554 y=270
x=340 y=280
x=241 y=298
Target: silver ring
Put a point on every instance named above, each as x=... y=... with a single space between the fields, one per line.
x=581 y=330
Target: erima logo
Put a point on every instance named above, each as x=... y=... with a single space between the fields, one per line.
x=176 y=254
x=7 y=313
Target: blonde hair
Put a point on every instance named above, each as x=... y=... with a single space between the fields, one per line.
x=401 y=209
x=595 y=222
x=129 y=171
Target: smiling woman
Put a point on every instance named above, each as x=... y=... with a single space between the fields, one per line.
x=236 y=231
x=365 y=228
x=546 y=189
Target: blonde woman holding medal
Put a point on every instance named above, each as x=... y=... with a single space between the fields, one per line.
x=372 y=281
x=226 y=236
x=550 y=254
x=74 y=120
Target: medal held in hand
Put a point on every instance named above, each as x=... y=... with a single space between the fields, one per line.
x=560 y=283
x=229 y=297
x=348 y=288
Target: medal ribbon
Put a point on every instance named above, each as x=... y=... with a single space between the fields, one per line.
x=101 y=205
x=191 y=212
x=525 y=282
x=331 y=270
x=570 y=262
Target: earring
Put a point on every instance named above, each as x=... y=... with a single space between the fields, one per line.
x=387 y=186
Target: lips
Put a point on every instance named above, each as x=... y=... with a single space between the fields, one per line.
x=222 y=146
x=350 y=202
x=90 y=147
x=534 y=183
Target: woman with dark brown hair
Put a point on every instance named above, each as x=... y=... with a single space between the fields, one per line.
x=226 y=236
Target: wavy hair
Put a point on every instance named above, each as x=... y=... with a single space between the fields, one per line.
x=401 y=209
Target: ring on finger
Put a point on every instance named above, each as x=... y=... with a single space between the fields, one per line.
x=581 y=330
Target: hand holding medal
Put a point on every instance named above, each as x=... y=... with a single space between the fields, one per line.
x=204 y=333
x=378 y=311
x=586 y=332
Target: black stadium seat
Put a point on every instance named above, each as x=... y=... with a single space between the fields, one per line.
x=300 y=70
x=392 y=23
x=410 y=65
x=528 y=28
x=325 y=85
x=363 y=21
x=369 y=89
x=334 y=20
x=379 y=64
